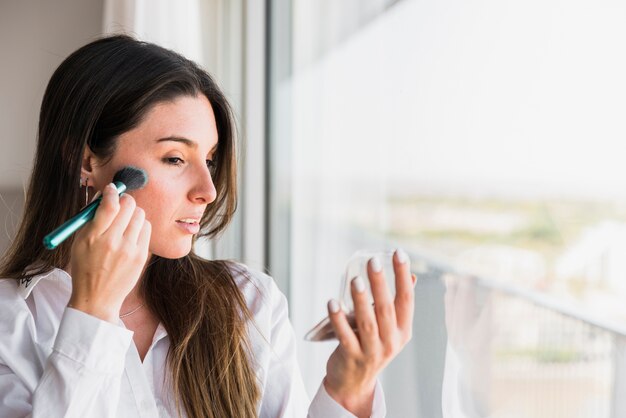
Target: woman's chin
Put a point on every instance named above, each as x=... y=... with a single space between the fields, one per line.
x=173 y=252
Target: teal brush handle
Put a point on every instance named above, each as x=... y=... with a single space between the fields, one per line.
x=56 y=237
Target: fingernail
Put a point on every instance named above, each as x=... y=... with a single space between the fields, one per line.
x=376 y=264
x=111 y=186
x=402 y=256
x=359 y=284
x=333 y=306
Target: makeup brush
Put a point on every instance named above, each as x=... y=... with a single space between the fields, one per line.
x=126 y=179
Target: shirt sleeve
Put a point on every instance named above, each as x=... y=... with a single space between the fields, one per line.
x=285 y=394
x=81 y=377
x=324 y=405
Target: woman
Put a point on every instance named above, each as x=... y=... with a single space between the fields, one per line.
x=123 y=319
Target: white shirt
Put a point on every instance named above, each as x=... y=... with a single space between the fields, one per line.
x=57 y=361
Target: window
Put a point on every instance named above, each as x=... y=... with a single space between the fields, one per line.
x=485 y=139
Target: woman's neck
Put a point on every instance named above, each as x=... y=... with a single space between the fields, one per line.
x=131 y=301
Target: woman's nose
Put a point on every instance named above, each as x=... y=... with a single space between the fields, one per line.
x=204 y=190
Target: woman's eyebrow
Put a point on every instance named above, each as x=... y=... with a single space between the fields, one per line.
x=188 y=142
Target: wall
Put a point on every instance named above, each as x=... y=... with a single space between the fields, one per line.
x=35 y=36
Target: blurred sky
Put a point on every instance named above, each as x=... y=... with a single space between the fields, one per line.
x=492 y=96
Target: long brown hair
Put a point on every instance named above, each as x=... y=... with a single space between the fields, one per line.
x=100 y=91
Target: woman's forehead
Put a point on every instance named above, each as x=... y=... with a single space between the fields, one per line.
x=187 y=121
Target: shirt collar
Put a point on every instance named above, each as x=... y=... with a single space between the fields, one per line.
x=159 y=333
x=26 y=285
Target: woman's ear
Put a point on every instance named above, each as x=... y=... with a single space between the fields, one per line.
x=90 y=170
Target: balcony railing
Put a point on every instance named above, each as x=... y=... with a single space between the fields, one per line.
x=535 y=356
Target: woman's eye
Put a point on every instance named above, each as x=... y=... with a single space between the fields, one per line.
x=173 y=160
x=178 y=161
x=212 y=167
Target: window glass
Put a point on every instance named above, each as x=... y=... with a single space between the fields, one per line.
x=486 y=139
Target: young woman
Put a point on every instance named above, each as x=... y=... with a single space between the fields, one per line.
x=123 y=319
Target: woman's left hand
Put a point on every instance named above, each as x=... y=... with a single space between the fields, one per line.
x=383 y=330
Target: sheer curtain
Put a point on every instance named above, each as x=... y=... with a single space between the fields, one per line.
x=175 y=25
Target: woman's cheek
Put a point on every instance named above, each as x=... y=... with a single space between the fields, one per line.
x=166 y=238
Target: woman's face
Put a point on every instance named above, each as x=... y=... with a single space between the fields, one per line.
x=172 y=145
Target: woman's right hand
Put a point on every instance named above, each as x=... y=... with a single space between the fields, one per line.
x=109 y=255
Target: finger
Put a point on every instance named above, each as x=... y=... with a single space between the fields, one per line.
x=143 y=241
x=383 y=306
x=404 y=291
x=346 y=336
x=365 y=317
x=120 y=223
x=135 y=225
x=106 y=211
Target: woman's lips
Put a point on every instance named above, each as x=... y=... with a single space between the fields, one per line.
x=190 y=228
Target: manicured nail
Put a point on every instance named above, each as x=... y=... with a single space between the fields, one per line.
x=376 y=264
x=402 y=256
x=359 y=284
x=333 y=306
x=111 y=186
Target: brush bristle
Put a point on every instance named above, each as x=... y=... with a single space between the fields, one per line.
x=133 y=177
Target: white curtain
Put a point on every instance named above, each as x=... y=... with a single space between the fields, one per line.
x=172 y=24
